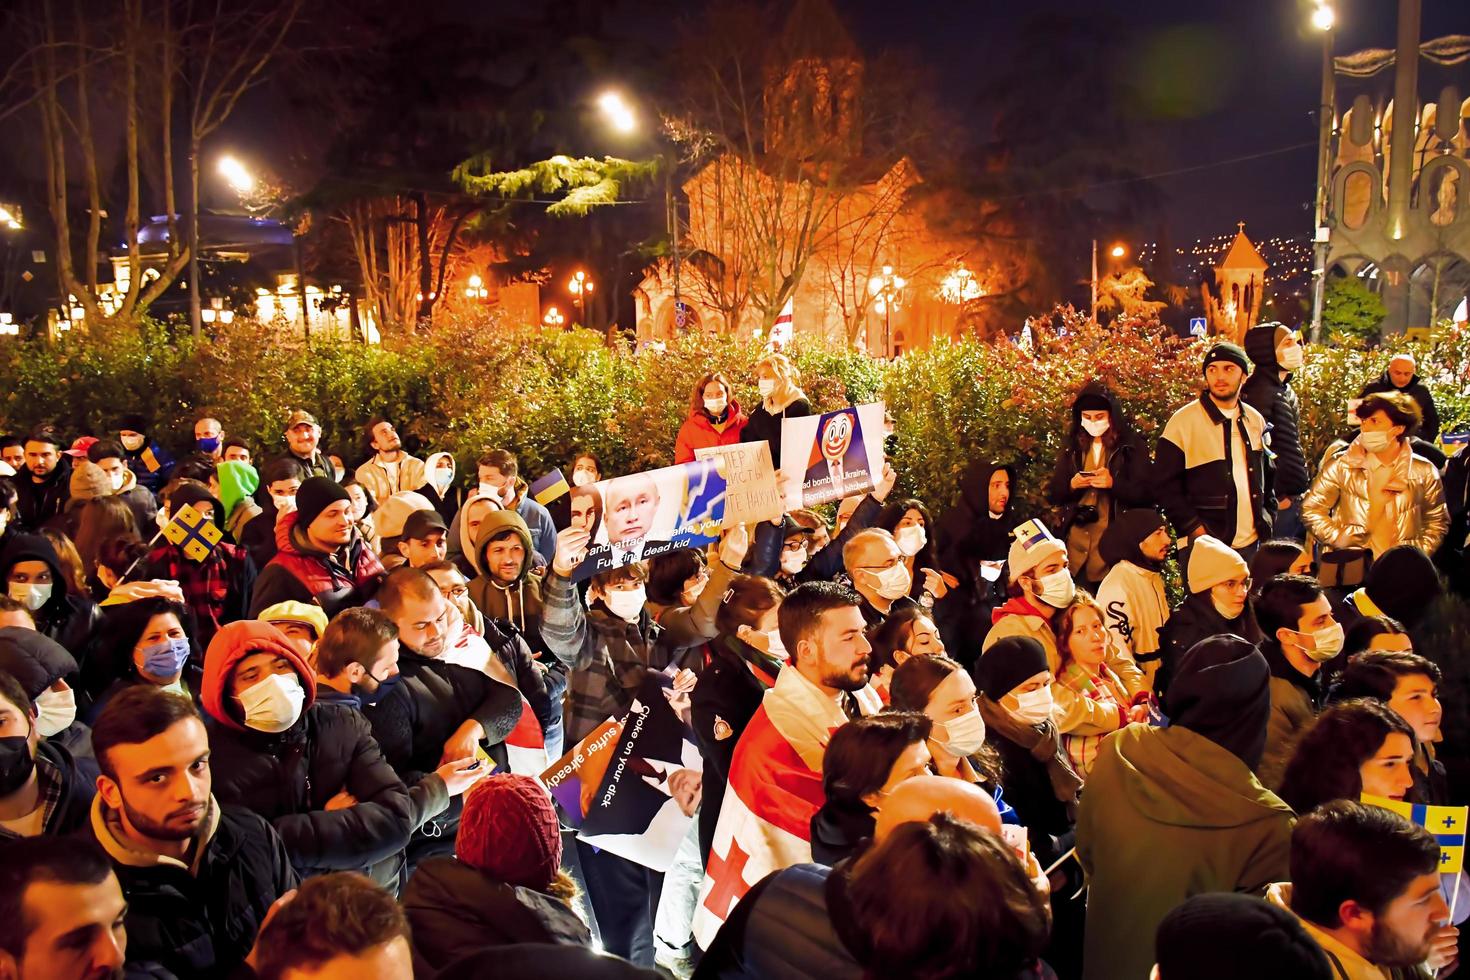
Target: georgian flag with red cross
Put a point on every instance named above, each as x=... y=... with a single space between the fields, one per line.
x=774 y=791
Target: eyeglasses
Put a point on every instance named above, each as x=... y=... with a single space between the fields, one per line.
x=893 y=562
x=458 y=592
x=1238 y=584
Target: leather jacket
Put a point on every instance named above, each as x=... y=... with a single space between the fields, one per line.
x=1337 y=507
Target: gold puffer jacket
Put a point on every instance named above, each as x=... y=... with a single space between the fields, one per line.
x=1336 y=509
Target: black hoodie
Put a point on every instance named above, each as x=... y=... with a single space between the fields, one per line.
x=967 y=531
x=1268 y=393
x=1127 y=460
x=65 y=618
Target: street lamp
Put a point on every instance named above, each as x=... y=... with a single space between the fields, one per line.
x=580 y=285
x=10 y=217
x=619 y=114
x=553 y=318
x=475 y=287
x=1117 y=251
x=236 y=175
x=1323 y=19
x=885 y=290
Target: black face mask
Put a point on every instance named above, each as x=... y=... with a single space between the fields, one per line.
x=385 y=687
x=16 y=763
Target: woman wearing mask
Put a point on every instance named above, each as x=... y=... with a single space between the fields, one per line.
x=146 y=641
x=439 y=487
x=1103 y=466
x=1355 y=747
x=361 y=512
x=943 y=691
x=1083 y=642
x=46 y=672
x=1377 y=494
x=102 y=520
x=586 y=470
x=909 y=632
x=745 y=657
x=1219 y=586
x=715 y=418
x=864 y=761
x=33 y=577
x=779 y=384
x=909 y=523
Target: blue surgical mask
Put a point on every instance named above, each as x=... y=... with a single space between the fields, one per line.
x=166 y=659
x=385 y=687
x=208 y=444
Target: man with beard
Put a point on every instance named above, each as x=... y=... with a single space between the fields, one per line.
x=45 y=485
x=1210 y=464
x=390 y=470
x=320 y=557
x=199 y=878
x=1365 y=883
x=61 y=912
x=303 y=444
x=775 y=785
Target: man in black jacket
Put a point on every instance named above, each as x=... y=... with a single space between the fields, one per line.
x=1402 y=375
x=43 y=790
x=199 y=878
x=1276 y=352
x=313 y=770
x=45 y=485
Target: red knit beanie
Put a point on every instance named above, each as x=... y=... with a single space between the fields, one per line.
x=509 y=830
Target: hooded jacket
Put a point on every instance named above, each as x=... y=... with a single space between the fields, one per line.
x=448 y=502
x=238 y=483
x=289 y=777
x=40 y=502
x=454 y=909
x=967 y=533
x=1416 y=390
x=65 y=618
x=302 y=573
x=700 y=431
x=1168 y=814
x=198 y=917
x=1270 y=394
x=36 y=662
x=1128 y=461
x=518 y=603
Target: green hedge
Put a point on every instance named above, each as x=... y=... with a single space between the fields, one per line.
x=541 y=393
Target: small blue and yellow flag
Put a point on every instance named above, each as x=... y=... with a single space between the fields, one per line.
x=1446 y=823
x=155 y=458
x=193 y=532
x=549 y=487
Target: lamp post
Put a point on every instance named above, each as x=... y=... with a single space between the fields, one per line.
x=553 y=318
x=885 y=289
x=475 y=287
x=1116 y=252
x=580 y=286
x=624 y=120
x=245 y=186
x=1323 y=20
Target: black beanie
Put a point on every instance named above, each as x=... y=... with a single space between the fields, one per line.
x=133 y=423
x=1226 y=351
x=1125 y=532
x=1008 y=664
x=316 y=494
x=1224 y=936
x=1222 y=690
x=1403 y=583
x=190 y=493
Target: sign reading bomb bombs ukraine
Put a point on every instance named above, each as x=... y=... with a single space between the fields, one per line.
x=828 y=457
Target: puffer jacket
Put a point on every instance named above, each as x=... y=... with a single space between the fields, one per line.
x=289 y=777
x=301 y=572
x=700 y=431
x=1336 y=509
x=1270 y=394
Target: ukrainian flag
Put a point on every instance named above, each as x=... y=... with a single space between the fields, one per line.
x=193 y=532
x=1446 y=823
x=549 y=487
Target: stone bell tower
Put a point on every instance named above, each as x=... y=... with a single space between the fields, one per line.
x=1233 y=304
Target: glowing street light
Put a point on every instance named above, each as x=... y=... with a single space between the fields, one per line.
x=236 y=175
x=1118 y=251
x=475 y=287
x=960 y=285
x=1323 y=17
x=10 y=217
x=619 y=114
x=885 y=290
x=580 y=286
x=553 y=317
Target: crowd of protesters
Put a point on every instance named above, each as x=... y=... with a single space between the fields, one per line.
x=266 y=714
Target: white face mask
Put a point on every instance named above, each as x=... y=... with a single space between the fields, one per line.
x=583 y=478
x=715 y=406
x=765 y=386
x=793 y=561
x=283 y=503
x=1096 y=427
x=1231 y=610
x=911 y=540
x=626 y=604
x=131 y=443
x=775 y=647
x=33 y=597
x=1290 y=358
x=273 y=704
x=1328 y=643
x=55 y=711
x=1033 y=707
x=893 y=583
x=1375 y=442
x=117 y=479
x=441 y=478
x=338 y=474
x=1057 y=589
x=963 y=736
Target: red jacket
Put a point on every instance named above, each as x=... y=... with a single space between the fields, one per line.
x=699 y=432
x=234 y=643
x=299 y=572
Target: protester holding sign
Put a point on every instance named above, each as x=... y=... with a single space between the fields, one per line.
x=715 y=418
